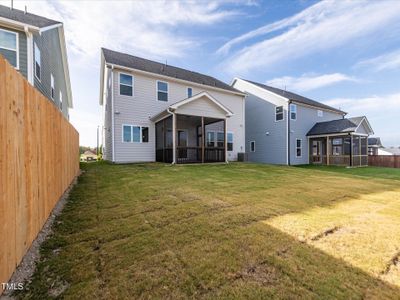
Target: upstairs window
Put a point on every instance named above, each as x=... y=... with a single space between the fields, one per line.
x=9 y=46
x=253 y=146
x=298 y=147
x=52 y=86
x=230 y=141
x=293 y=112
x=320 y=113
x=279 y=113
x=189 y=92
x=125 y=85
x=162 y=91
x=38 y=63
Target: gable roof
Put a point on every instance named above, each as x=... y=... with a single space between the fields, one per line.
x=295 y=97
x=26 y=18
x=142 y=64
x=375 y=142
x=345 y=125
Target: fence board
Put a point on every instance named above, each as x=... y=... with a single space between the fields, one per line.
x=39 y=158
x=388 y=161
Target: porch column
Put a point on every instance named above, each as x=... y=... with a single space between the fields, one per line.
x=174 y=138
x=327 y=150
x=202 y=139
x=225 y=142
x=351 y=150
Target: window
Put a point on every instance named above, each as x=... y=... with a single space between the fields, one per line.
x=52 y=86
x=9 y=46
x=293 y=111
x=135 y=134
x=320 y=113
x=189 y=92
x=230 y=141
x=279 y=113
x=253 y=146
x=210 y=139
x=125 y=85
x=220 y=139
x=298 y=147
x=61 y=100
x=38 y=63
x=162 y=91
x=337 y=146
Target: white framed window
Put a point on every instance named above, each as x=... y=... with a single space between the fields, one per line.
x=38 y=63
x=320 y=113
x=210 y=141
x=162 y=91
x=61 y=100
x=252 y=146
x=125 y=84
x=189 y=92
x=52 y=86
x=279 y=113
x=9 y=46
x=293 y=112
x=230 y=141
x=298 y=147
x=135 y=134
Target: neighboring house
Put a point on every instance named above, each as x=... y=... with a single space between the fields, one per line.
x=286 y=128
x=389 y=151
x=156 y=112
x=374 y=144
x=88 y=156
x=36 y=47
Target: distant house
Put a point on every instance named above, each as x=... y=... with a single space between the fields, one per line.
x=35 y=46
x=286 y=128
x=88 y=156
x=389 y=151
x=374 y=144
x=157 y=112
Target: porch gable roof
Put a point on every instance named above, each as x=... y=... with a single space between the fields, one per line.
x=173 y=107
x=345 y=125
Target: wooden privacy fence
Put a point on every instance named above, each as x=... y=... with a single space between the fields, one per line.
x=39 y=158
x=389 y=161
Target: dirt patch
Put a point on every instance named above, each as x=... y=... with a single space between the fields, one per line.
x=260 y=273
x=27 y=267
x=393 y=263
x=325 y=233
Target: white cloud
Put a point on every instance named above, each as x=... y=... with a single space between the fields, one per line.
x=307 y=82
x=323 y=26
x=388 y=61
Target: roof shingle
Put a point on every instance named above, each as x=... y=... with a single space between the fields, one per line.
x=134 y=62
x=346 y=125
x=28 y=18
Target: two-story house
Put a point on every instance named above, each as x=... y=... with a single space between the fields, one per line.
x=35 y=46
x=286 y=128
x=156 y=112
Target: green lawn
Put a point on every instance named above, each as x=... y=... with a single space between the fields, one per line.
x=237 y=231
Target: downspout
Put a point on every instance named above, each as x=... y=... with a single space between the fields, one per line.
x=112 y=113
x=288 y=134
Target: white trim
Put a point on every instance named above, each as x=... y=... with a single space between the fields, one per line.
x=260 y=88
x=290 y=111
x=161 y=81
x=43 y=29
x=17 y=25
x=254 y=146
x=369 y=125
x=359 y=134
x=112 y=115
x=301 y=148
x=16 y=50
x=199 y=95
x=52 y=87
x=119 y=84
x=169 y=78
x=29 y=51
x=283 y=113
x=61 y=100
x=331 y=134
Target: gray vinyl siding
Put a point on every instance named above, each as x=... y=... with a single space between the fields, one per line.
x=306 y=119
x=260 y=120
x=107 y=127
x=23 y=57
x=137 y=109
x=51 y=63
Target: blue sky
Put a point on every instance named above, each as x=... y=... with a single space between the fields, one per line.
x=342 y=53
